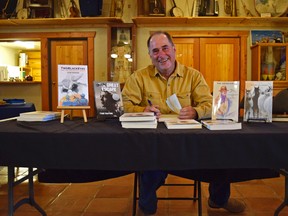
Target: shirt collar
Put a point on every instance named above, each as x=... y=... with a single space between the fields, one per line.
x=178 y=70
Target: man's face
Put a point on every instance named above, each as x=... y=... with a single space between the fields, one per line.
x=162 y=53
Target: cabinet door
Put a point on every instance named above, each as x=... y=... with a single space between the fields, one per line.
x=72 y=52
x=121 y=55
x=219 y=59
x=216 y=58
x=187 y=51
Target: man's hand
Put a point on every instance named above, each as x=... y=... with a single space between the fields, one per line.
x=188 y=113
x=153 y=108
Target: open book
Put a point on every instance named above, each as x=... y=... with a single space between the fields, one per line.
x=173 y=103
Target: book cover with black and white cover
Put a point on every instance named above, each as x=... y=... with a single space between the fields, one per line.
x=73 y=85
x=225 y=100
x=108 y=99
x=258 y=101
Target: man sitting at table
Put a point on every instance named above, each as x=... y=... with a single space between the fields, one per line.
x=155 y=83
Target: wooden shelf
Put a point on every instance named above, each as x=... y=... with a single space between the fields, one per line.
x=59 y=22
x=211 y=21
x=147 y=22
x=19 y=83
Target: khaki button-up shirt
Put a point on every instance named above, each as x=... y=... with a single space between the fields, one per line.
x=187 y=83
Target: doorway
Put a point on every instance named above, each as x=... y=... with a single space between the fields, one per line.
x=65 y=52
x=41 y=91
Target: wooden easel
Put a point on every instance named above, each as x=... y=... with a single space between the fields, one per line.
x=71 y=108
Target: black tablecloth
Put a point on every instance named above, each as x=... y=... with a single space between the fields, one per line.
x=107 y=146
x=9 y=111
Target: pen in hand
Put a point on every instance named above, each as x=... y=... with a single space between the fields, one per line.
x=150 y=103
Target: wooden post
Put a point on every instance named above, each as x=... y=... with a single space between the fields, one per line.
x=71 y=108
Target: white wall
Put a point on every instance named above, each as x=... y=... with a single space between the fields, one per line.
x=8 y=56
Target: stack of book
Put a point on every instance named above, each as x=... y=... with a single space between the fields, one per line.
x=138 y=120
x=182 y=124
x=41 y=116
x=222 y=124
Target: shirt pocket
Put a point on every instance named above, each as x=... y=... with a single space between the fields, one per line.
x=154 y=97
x=184 y=98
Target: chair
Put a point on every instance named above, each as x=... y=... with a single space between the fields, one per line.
x=195 y=197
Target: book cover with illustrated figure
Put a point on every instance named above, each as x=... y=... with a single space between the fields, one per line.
x=73 y=85
x=108 y=99
x=225 y=100
x=258 y=101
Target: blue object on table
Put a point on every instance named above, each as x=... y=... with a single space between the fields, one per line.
x=14 y=101
x=13 y=110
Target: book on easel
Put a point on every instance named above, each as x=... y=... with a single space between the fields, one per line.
x=225 y=100
x=258 y=101
x=225 y=107
x=73 y=85
x=108 y=99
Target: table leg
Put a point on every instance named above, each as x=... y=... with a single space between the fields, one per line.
x=62 y=116
x=10 y=190
x=30 y=200
x=285 y=202
x=84 y=115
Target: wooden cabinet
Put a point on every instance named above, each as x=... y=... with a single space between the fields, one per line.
x=269 y=63
x=121 y=55
x=219 y=59
x=216 y=57
x=32 y=65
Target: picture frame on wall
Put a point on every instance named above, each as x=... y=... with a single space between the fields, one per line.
x=123 y=35
x=271 y=8
x=266 y=36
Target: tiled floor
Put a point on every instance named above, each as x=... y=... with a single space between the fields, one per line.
x=114 y=198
